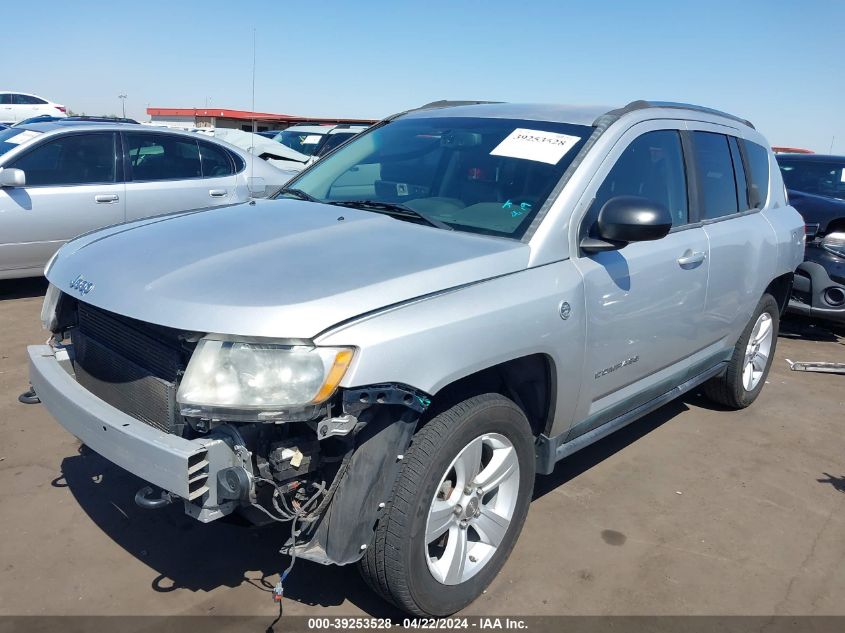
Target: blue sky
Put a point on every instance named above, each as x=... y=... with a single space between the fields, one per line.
x=777 y=63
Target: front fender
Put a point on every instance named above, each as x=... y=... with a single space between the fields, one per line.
x=435 y=341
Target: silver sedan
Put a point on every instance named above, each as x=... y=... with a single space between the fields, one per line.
x=61 y=179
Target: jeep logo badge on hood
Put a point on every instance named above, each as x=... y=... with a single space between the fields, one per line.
x=84 y=287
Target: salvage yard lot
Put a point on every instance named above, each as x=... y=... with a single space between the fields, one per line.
x=690 y=510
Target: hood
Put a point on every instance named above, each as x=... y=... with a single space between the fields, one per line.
x=815 y=209
x=276 y=268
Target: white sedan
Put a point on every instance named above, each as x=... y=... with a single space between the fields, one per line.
x=20 y=106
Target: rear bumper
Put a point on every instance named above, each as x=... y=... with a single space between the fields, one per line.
x=187 y=468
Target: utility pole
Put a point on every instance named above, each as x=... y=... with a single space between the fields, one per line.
x=122 y=98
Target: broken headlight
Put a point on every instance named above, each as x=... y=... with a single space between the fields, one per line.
x=259 y=381
x=49 y=315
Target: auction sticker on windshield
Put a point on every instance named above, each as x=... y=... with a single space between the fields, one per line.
x=544 y=147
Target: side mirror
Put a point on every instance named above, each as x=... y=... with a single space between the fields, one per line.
x=12 y=177
x=626 y=219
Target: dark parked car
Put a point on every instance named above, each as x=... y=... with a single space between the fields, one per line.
x=816 y=186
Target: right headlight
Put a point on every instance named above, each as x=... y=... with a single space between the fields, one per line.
x=259 y=381
x=834 y=243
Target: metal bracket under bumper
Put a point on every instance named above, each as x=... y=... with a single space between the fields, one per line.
x=187 y=468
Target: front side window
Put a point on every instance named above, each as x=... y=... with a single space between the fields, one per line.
x=303 y=142
x=651 y=167
x=215 y=161
x=162 y=157
x=479 y=175
x=74 y=159
x=814 y=177
x=715 y=173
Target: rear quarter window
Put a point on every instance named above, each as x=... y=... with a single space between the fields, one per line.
x=758 y=165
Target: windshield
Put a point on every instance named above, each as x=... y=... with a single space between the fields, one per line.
x=10 y=138
x=816 y=177
x=478 y=175
x=302 y=142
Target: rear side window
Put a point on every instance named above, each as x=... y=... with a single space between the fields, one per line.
x=652 y=167
x=715 y=173
x=75 y=159
x=758 y=165
x=5 y=98
x=162 y=157
x=215 y=161
x=28 y=100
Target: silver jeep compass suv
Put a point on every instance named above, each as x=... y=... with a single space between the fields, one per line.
x=446 y=305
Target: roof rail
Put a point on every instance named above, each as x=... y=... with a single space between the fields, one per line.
x=445 y=103
x=642 y=105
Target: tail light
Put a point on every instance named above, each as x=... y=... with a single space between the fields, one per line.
x=61 y=109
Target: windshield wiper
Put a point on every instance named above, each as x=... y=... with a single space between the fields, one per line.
x=393 y=209
x=297 y=193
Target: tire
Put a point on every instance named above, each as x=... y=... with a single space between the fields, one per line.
x=400 y=564
x=732 y=388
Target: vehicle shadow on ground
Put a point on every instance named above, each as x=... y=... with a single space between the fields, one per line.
x=22 y=288
x=594 y=454
x=795 y=327
x=188 y=555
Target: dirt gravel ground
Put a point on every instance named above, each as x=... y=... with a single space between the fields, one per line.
x=691 y=510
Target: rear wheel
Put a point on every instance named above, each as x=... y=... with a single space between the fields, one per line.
x=749 y=365
x=457 y=509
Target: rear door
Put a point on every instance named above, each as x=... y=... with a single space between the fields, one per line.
x=73 y=185
x=742 y=243
x=7 y=112
x=27 y=106
x=174 y=172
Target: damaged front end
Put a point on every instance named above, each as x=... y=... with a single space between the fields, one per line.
x=258 y=427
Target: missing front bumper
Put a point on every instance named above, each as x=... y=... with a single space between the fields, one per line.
x=186 y=468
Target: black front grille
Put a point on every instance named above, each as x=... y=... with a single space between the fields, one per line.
x=131 y=365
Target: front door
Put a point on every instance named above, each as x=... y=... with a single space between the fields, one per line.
x=644 y=303
x=73 y=185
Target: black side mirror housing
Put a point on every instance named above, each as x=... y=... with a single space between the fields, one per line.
x=626 y=219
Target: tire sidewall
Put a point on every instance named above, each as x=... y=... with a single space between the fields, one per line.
x=745 y=397
x=432 y=596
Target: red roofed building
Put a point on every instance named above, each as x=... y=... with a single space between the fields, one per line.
x=237 y=119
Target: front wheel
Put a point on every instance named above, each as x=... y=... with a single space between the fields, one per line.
x=457 y=509
x=749 y=365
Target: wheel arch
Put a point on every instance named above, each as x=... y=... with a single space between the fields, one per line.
x=529 y=381
x=780 y=288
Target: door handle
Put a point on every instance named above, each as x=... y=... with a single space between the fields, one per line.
x=104 y=198
x=691 y=258
x=217 y=193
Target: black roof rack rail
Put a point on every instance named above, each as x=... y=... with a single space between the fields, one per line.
x=445 y=103
x=642 y=105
